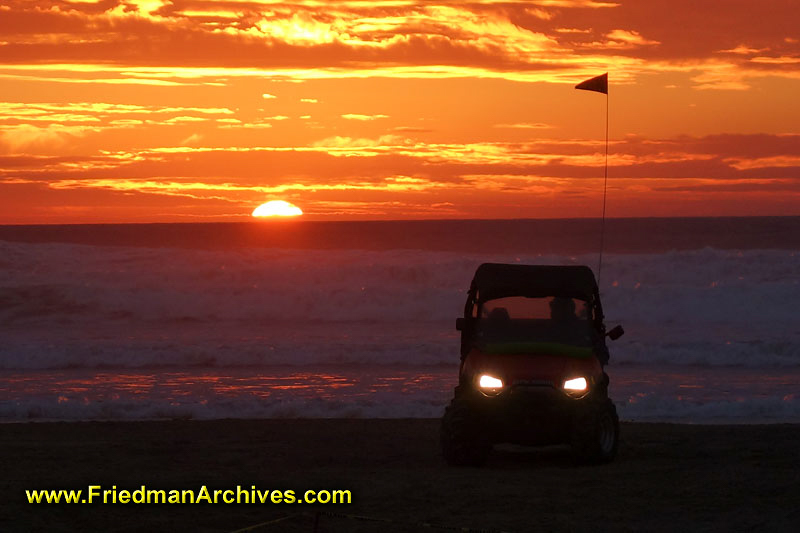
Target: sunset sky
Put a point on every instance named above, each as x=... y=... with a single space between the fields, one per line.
x=159 y=111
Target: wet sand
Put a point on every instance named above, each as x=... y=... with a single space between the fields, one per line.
x=666 y=477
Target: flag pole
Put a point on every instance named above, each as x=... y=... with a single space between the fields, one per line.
x=599 y=84
x=603 y=221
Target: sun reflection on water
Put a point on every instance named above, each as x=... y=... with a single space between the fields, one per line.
x=212 y=386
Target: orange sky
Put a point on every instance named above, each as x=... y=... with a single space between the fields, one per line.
x=155 y=110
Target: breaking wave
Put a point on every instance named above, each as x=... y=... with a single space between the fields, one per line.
x=75 y=306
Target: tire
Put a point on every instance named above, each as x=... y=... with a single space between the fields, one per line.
x=595 y=434
x=462 y=436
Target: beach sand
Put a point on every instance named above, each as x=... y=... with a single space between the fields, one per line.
x=666 y=477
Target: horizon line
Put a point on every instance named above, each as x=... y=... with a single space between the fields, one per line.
x=293 y=220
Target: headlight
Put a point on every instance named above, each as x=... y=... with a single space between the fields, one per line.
x=575 y=385
x=490 y=382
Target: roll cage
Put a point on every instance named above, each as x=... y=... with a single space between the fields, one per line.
x=496 y=280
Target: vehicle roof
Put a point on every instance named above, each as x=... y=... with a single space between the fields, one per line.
x=499 y=280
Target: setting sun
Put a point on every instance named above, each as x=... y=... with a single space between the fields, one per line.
x=277 y=208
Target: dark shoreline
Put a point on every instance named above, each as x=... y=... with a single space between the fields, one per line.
x=542 y=236
x=666 y=478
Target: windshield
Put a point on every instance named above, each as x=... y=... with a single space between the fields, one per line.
x=549 y=320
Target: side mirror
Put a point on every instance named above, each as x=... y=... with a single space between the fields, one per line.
x=461 y=324
x=615 y=333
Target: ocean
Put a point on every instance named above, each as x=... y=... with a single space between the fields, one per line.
x=357 y=319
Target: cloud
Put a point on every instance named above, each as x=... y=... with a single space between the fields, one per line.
x=411 y=129
x=148 y=6
x=526 y=41
x=50 y=124
x=353 y=116
x=630 y=37
x=357 y=143
x=28 y=109
x=335 y=158
x=395 y=171
x=28 y=137
x=184 y=119
x=622 y=39
x=525 y=126
x=194 y=138
x=573 y=30
x=540 y=13
x=783 y=60
x=742 y=50
x=720 y=76
x=295 y=41
x=246 y=125
x=432 y=67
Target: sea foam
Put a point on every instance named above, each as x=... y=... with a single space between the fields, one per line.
x=67 y=306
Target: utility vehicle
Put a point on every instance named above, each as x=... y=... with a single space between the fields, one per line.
x=533 y=352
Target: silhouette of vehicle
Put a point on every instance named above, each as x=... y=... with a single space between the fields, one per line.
x=532 y=356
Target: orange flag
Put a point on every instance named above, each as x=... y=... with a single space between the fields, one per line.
x=598 y=84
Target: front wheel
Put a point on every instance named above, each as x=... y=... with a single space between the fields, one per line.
x=462 y=436
x=595 y=434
